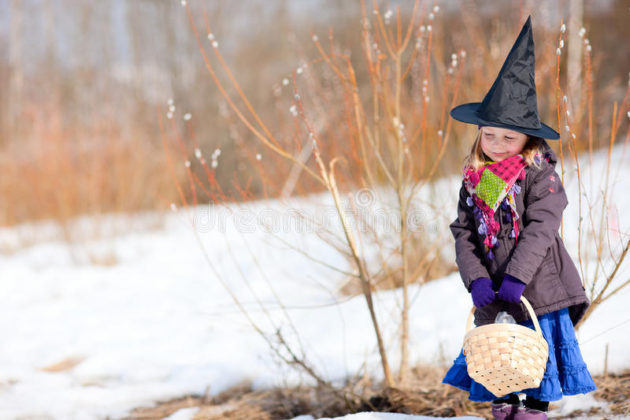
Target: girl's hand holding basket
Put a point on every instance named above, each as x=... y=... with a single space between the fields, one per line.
x=506 y=358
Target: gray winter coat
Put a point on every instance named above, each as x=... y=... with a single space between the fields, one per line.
x=539 y=259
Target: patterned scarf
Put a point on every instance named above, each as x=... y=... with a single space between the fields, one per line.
x=491 y=186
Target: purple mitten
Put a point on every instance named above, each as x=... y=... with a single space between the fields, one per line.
x=511 y=289
x=481 y=291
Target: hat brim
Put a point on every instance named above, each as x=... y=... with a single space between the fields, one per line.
x=468 y=113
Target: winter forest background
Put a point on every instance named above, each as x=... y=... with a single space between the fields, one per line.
x=88 y=76
x=199 y=193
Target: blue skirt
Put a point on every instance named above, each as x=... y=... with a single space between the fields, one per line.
x=565 y=374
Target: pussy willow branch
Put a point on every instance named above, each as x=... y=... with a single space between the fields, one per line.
x=395 y=54
x=423 y=181
x=425 y=104
x=169 y=160
x=381 y=26
x=600 y=298
x=350 y=83
x=362 y=127
x=268 y=141
x=574 y=155
x=603 y=223
x=329 y=178
x=414 y=51
x=213 y=184
x=557 y=89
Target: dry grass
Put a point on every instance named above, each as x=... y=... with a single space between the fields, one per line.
x=57 y=173
x=424 y=394
x=63 y=365
x=61 y=172
x=616 y=390
x=243 y=402
x=165 y=409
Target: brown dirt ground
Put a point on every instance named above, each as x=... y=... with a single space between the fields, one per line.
x=423 y=395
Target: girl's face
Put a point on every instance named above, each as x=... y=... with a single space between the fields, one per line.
x=500 y=143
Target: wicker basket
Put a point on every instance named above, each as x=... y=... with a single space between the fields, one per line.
x=506 y=358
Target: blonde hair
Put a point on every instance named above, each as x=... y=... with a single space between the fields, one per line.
x=476 y=159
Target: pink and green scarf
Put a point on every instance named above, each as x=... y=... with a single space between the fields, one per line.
x=491 y=186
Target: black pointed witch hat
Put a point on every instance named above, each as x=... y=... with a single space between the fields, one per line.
x=511 y=101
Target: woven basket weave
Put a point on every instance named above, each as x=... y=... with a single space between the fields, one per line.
x=506 y=358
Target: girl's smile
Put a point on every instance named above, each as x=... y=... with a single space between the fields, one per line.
x=500 y=143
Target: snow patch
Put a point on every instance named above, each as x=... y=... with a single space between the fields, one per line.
x=183 y=414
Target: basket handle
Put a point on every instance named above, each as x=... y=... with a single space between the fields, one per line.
x=528 y=306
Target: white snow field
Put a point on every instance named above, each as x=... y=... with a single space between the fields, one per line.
x=142 y=316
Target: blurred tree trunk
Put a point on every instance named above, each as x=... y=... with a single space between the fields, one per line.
x=170 y=55
x=135 y=34
x=51 y=89
x=16 y=77
x=574 y=66
x=48 y=24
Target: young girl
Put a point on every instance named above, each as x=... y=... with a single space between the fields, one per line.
x=506 y=235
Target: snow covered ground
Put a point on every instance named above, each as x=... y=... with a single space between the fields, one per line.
x=188 y=413
x=155 y=322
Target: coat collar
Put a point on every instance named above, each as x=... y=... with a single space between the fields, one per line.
x=548 y=153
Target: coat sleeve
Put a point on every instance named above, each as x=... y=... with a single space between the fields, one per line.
x=467 y=246
x=545 y=200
